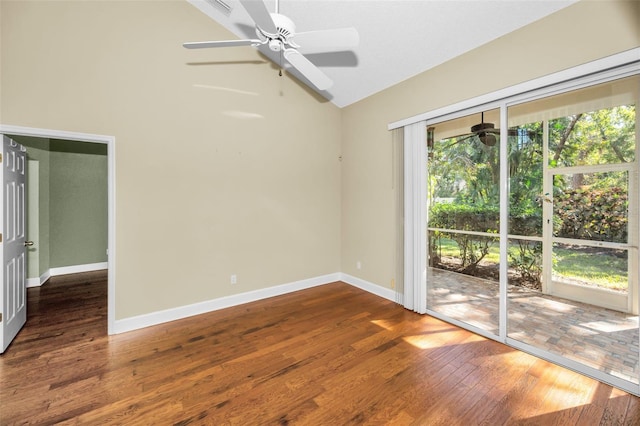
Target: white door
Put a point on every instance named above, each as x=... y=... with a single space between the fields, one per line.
x=609 y=256
x=13 y=242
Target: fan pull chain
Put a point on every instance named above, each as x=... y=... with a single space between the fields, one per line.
x=277 y=12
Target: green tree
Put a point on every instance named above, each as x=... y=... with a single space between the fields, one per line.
x=466 y=171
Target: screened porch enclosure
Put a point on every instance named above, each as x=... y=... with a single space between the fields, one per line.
x=569 y=290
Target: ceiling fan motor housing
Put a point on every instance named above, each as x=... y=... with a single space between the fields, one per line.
x=482 y=126
x=286 y=29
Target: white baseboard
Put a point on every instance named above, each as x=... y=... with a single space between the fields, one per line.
x=37 y=282
x=33 y=282
x=367 y=286
x=159 y=317
x=74 y=269
x=52 y=272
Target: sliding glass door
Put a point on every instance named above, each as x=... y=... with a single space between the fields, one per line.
x=582 y=305
x=463 y=170
x=569 y=290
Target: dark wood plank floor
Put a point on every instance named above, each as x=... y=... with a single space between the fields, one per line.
x=330 y=355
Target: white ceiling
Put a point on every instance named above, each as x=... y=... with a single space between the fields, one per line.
x=398 y=38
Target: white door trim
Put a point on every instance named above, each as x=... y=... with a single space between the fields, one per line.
x=110 y=141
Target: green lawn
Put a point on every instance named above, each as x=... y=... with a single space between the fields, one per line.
x=598 y=269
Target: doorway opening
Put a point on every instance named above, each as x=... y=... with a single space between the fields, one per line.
x=86 y=141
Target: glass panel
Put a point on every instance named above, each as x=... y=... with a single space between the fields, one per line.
x=463 y=190
x=600 y=338
x=599 y=267
x=464 y=174
x=562 y=293
x=599 y=97
x=525 y=180
x=606 y=136
x=466 y=293
x=591 y=206
x=594 y=125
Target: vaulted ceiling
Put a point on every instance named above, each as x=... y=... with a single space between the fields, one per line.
x=398 y=38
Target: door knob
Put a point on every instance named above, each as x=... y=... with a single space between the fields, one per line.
x=28 y=243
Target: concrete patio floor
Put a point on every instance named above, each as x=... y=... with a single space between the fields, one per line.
x=600 y=338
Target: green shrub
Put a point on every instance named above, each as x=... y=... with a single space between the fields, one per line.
x=580 y=213
x=525 y=258
x=472 y=248
x=525 y=222
x=591 y=214
x=464 y=217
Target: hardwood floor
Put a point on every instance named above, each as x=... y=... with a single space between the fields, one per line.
x=330 y=355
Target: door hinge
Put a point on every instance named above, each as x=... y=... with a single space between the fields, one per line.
x=0 y=238
x=0 y=316
x=0 y=157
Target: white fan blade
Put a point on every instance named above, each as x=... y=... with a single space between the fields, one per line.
x=327 y=40
x=260 y=15
x=224 y=43
x=307 y=69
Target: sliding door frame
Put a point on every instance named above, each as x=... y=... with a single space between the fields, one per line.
x=607 y=69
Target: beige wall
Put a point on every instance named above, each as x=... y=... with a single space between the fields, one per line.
x=222 y=167
x=583 y=32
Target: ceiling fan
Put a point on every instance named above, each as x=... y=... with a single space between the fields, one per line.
x=278 y=33
x=488 y=134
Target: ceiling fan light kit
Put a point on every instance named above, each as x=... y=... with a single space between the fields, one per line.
x=485 y=132
x=278 y=33
x=487 y=138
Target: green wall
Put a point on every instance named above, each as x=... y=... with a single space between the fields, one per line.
x=78 y=203
x=72 y=224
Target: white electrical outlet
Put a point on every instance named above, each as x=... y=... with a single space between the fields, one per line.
x=359 y=264
x=234 y=279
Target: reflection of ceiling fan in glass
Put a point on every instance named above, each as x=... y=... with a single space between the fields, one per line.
x=278 y=33
x=486 y=133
